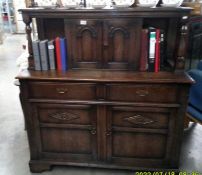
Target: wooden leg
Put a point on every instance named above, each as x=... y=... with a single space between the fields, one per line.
x=186 y=122
x=39 y=167
x=23 y=110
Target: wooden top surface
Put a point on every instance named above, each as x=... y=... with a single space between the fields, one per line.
x=106 y=76
x=84 y=12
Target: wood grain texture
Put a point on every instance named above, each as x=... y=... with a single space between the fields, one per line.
x=106 y=76
x=86 y=13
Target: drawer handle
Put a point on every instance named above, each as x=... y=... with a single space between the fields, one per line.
x=108 y=133
x=93 y=131
x=61 y=90
x=142 y=93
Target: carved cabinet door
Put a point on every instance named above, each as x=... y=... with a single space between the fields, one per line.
x=66 y=131
x=122 y=43
x=84 y=40
x=140 y=136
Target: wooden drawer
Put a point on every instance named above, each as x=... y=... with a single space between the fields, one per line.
x=66 y=114
x=140 y=117
x=54 y=90
x=142 y=93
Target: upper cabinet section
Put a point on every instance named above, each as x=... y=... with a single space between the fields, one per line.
x=105 y=44
x=112 y=38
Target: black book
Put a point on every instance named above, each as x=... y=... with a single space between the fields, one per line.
x=162 y=49
x=151 y=49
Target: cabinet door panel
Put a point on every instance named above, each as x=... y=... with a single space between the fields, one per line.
x=122 y=43
x=140 y=134
x=74 y=141
x=138 y=145
x=84 y=43
x=66 y=131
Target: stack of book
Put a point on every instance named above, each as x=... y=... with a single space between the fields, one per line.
x=152 y=50
x=50 y=55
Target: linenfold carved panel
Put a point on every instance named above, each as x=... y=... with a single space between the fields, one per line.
x=138 y=120
x=64 y=116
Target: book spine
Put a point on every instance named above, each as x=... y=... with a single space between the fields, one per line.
x=51 y=54
x=58 y=53
x=144 y=51
x=63 y=53
x=44 y=54
x=157 y=50
x=151 y=55
x=162 y=49
x=36 y=53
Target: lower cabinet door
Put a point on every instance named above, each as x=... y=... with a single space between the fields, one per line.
x=67 y=132
x=140 y=136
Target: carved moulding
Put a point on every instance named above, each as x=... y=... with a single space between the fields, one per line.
x=65 y=116
x=138 y=120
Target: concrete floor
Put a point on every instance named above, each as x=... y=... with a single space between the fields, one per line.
x=14 y=151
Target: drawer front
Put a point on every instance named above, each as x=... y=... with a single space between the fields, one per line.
x=74 y=91
x=142 y=93
x=140 y=117
x=66 y=114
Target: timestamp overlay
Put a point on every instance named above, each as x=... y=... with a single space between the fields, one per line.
x=168 y=173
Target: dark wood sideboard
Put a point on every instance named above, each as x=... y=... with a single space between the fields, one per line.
x=103 y=112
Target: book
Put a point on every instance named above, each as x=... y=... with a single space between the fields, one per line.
x=43 y=45
x=58 y=54
x=162 y=49
x=144 y=50
x=151 y=50
x=157 y=51
x=36 y=53
x=51 y=54
x=63 y=51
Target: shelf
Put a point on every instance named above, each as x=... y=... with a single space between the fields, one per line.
x=107 y=76
x=104 y=13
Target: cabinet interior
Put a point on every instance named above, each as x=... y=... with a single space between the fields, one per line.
x=112 y=44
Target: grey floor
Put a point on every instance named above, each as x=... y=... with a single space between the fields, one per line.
x=14 y=151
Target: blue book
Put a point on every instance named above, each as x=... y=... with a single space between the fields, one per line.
x=63 y=51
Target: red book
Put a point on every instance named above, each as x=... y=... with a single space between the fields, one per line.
x=144 y=51
x=157 y=51
x=58 y=53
